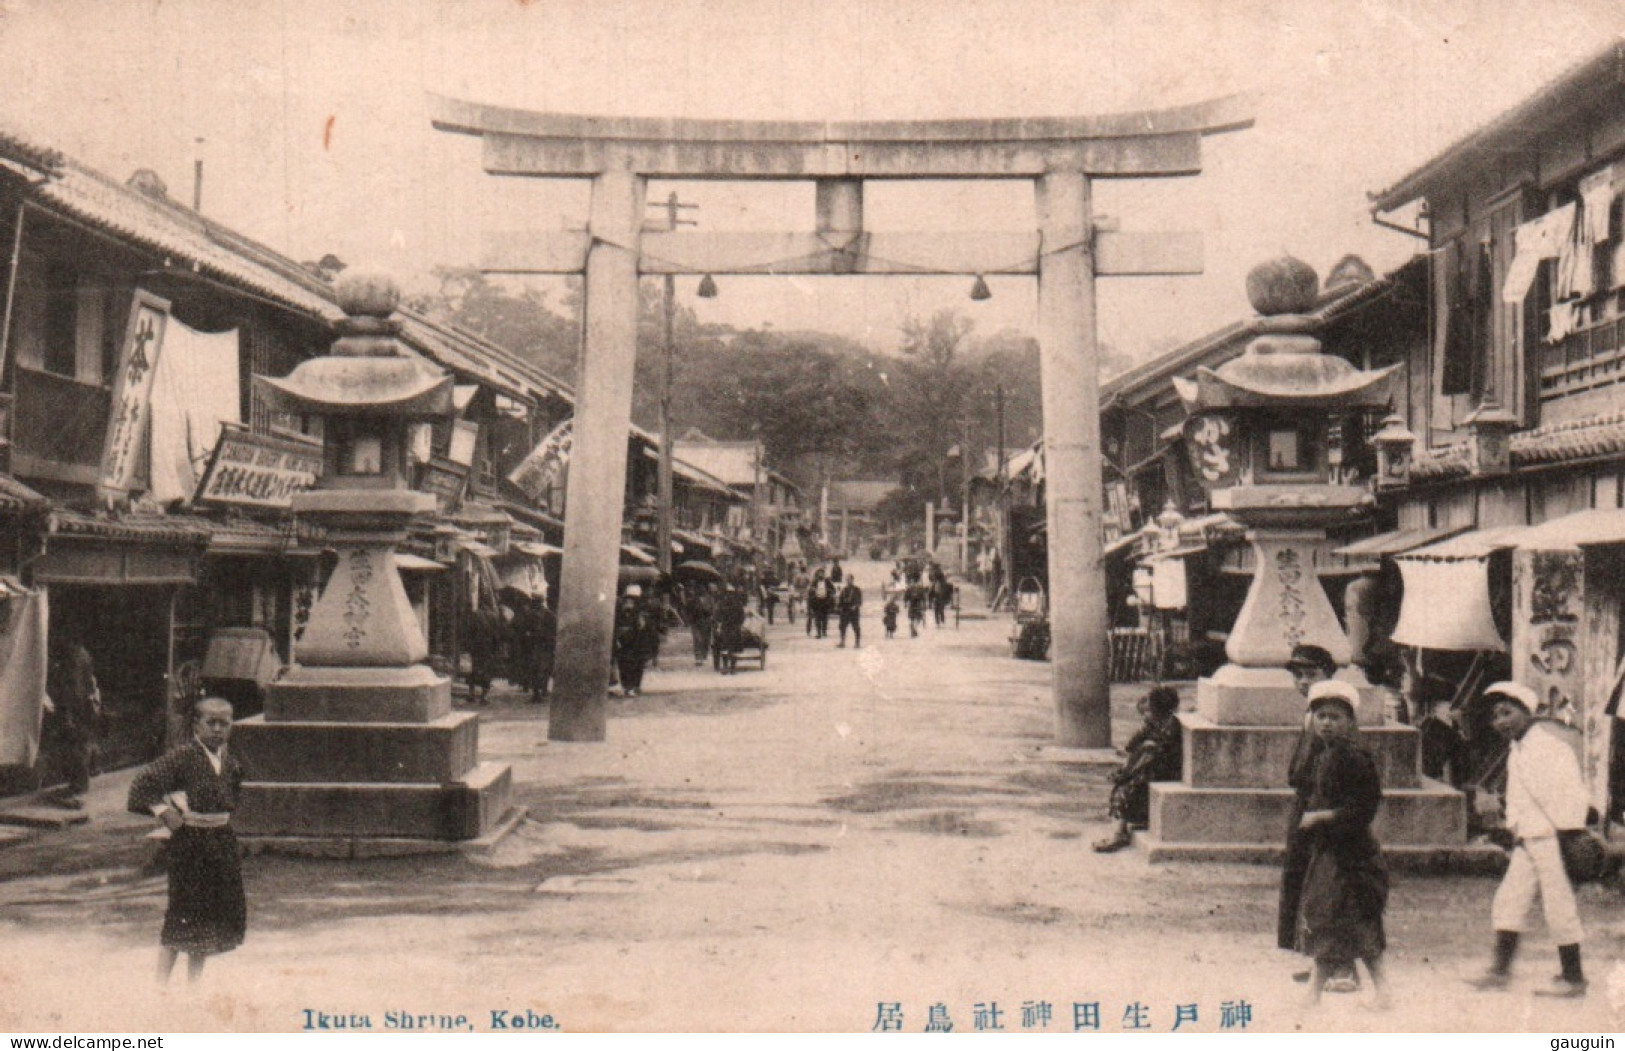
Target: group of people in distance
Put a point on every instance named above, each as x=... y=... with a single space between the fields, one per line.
x=1334 y=883
x=915 y=588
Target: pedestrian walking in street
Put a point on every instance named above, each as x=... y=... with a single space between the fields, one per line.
x=1153 y=754
x=632 y=640
x=730 y=629
x=916 y=598
x=823 y=604
x=193 y=790
x=74 y=703
x=849 y=604
x=701 y=611
x=1345 y=890
x=888 y=617
x=835 y=571
x=815 y=587
x=535 y=636
x=1545 y=796
x=486 y=647
x=770 y=595
x=942 y=595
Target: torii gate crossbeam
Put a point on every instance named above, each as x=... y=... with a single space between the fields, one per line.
x=1060 y=156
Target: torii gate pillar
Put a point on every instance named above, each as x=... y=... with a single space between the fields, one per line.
x=1069 y=373
x=597 y=480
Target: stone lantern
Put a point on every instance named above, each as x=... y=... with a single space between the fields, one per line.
x=1272 y=418
x=1264 y=435
x=358 y=750
x=1489 y=439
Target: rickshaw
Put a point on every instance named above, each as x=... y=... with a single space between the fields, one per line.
x=1030 y=637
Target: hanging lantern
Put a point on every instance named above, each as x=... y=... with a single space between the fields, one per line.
x=1395 y=445
x=979 y=291
x=708 y=287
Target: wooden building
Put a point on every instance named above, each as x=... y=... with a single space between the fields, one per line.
x=1516 y=405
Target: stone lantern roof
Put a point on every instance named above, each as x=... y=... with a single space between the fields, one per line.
x=1284 y=366
x=369 y=372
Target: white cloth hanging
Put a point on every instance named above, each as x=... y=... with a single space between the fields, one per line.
x=1544 y=238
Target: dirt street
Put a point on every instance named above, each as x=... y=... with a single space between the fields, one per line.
x=786 y=849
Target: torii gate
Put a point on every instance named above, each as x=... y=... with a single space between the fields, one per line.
x=1061 y=155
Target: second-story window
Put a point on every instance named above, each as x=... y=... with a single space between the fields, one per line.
x=67 y=322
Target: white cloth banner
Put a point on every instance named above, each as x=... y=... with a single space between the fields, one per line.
x=195 y=389
x=1447 y=606
x=22 y=676
x=544 y=468
x=1169 y=589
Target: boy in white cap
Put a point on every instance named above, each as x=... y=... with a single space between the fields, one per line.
x=1545 y=795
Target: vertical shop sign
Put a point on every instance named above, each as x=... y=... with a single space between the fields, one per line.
x=132 y=394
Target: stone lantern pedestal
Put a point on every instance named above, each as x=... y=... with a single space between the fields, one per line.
x=358 y=751
x=1265 y=435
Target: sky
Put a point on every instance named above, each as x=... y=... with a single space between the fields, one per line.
x=312 y=118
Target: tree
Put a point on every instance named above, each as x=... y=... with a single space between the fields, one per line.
x=516 y=318
x=931 y=399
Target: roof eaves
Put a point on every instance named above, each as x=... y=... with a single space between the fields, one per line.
x=1550 y=103
x=89 y=196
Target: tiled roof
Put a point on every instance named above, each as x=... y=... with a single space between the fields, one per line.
x=495 y=366
x=1578 y=440
x=15 y=496
x=18 y=150
x=1439 y=464
x=1554 y=443
x=192 y=242
x=151 y=529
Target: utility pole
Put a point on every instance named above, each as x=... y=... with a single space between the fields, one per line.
x=1005 y=546
x=668 y=315
x=964 y=499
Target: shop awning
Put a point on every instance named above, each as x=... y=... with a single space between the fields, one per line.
x=1596 y=527
x=410 y=562
x=637 y=554
x=1447 y=592
x=536 y=548
x=1469 y=546
x=476 y=547
x=1399 y=541
x=11 y=587
x=692 y=539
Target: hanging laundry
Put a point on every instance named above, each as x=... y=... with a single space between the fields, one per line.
x=1544 y=238
x=1597 y=205
x=1562 y=319
x=1576 y=267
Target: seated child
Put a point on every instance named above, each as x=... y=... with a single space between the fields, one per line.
x=1153 y=754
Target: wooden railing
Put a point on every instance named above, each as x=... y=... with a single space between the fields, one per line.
x=1584 y=360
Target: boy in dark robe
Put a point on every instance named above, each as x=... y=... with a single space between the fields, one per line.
x=1345 y=890
x=193 y=790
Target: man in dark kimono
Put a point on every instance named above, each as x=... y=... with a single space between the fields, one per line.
x=850 y=607
x=76 y=707
x=535 y=633
x=193 y=790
